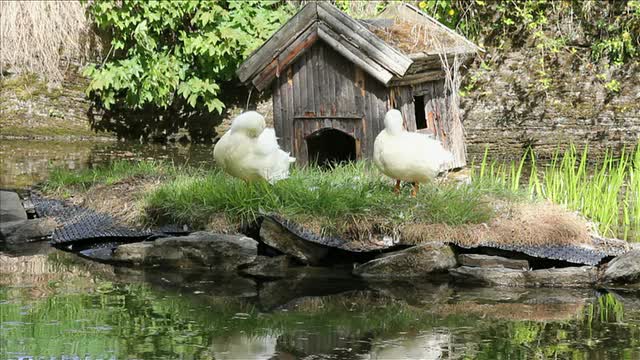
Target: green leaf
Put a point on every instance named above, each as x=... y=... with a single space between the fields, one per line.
x=192 y=100
x=215 y=105
x=177 y=49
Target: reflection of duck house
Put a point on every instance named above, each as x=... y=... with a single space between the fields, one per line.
x=333 y=78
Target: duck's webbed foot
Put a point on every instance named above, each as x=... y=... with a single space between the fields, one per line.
x=414 y=190
x=396 y=189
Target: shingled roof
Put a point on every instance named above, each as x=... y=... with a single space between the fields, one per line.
x=386 y=48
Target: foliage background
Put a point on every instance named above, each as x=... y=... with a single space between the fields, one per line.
x=170 y=65
x=171 y=62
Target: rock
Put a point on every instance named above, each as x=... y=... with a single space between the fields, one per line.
x=306 y=281
x=511 y=97
x=490 y=276
x=216 y=284
x=11 y=207
x=268 y=267
x=478 y=260
x=22 y=231
x=416 y=293
x=198 y=250
x=134 y=254
x=275 y=235
x=564 y=277
x=581 y=276
x=417 y=261
x=624 y=268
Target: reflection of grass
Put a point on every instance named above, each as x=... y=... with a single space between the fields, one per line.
x=607 y=309
x=136 y=320
x=61 y=178
x=606 y=192
x=23 y=163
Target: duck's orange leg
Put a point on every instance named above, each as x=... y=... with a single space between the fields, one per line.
x=414 y=190
x=396 y=189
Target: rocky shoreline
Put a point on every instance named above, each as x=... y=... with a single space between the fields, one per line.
x=278 y=253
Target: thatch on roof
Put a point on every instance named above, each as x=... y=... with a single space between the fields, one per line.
x=415 y=33
x=401 y=41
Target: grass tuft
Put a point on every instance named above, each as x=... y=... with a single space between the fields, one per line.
x=64 y=179
x=348 y=193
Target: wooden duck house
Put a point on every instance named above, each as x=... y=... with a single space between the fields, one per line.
x=333 y=78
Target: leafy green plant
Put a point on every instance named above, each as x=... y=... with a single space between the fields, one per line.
x=612 y=27
x=165 y=51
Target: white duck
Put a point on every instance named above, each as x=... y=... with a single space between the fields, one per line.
x=250 y=151
x=408 y=156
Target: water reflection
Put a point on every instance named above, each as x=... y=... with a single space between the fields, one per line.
x=56 y=304
x=26 y=162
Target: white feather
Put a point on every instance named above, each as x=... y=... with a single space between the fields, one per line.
x=250 y=151
x=408 y=156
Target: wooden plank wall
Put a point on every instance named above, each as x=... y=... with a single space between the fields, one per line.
x=439 y=120
x=403 y=101
x=322 y=89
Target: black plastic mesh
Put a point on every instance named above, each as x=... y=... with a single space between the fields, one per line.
x=580 y=254
x=76 y=223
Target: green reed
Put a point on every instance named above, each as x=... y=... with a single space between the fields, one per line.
x=606 y=191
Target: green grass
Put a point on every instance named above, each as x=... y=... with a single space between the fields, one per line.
x=606 y=191
x=64 y=179
x=348 y=192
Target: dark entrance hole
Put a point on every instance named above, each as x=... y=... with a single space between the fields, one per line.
x=328 y=147
x=421 y=118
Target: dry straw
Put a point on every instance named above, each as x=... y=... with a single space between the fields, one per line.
x=452 y=80
x=44 y=37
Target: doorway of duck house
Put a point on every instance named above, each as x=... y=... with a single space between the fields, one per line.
x=329 y=147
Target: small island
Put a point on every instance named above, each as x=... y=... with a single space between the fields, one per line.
x=338 y=179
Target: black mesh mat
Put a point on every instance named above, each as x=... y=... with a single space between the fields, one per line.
x=570 y=253
x=79 y=224
x=593 y=254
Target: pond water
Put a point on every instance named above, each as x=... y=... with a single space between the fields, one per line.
x=26 y=162
x=55 y=306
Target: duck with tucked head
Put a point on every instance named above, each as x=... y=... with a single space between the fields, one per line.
x=250 y=150
x=408 y=156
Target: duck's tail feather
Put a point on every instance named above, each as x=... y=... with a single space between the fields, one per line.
x=267 y=142
x=280 y=169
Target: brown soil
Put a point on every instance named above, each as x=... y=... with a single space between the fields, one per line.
x=121 y=199
x=538 y=224
x=518 y=224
